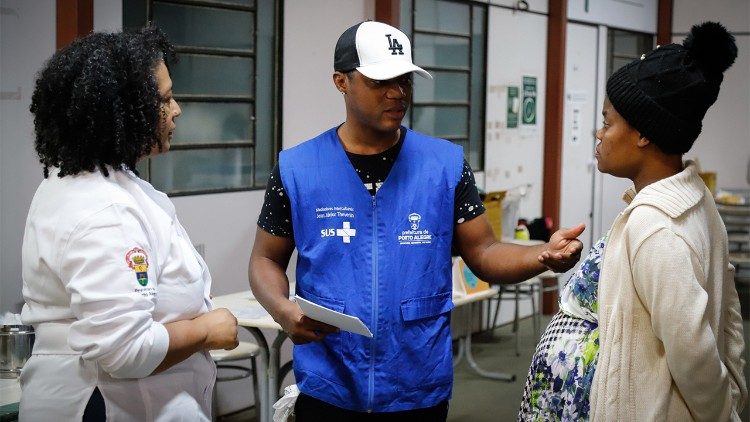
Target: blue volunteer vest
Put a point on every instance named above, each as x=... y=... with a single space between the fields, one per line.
x=385 y=259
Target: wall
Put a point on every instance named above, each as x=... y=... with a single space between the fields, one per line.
x=311 y=103
x=724 y=144
x=107 y=15
x=634 y=15
x=517 y=47
x=27 y=39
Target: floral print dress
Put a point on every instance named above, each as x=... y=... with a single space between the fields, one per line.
x=559 y=382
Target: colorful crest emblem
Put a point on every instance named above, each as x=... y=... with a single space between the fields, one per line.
x=137 y=260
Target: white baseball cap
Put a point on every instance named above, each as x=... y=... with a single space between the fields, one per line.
x=376 y=50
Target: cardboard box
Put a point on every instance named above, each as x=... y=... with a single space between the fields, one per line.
x=493 y=204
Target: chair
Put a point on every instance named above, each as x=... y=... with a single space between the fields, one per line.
x=244 y=351
x=523 y=290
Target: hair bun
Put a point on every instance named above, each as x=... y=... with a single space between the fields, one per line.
x=711 y=46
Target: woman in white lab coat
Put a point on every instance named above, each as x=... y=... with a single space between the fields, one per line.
x=117 y=294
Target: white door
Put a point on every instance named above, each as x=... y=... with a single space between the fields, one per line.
x=580 y=114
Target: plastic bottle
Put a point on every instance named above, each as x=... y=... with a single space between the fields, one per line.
x=522 y=232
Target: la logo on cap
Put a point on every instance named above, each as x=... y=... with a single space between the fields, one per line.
x=394 y=46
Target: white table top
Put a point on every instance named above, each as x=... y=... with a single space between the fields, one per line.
x=459 y=300
x=248 y=311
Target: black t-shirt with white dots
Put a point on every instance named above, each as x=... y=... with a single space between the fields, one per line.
x=276 y=214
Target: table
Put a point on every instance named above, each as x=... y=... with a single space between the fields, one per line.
x=464 y=343
x=251 y=316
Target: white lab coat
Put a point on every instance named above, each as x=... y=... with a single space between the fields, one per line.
x=105 y=264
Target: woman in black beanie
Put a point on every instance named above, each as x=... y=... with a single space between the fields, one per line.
x=660 y=338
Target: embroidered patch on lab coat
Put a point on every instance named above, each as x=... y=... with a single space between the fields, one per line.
x=137 y=260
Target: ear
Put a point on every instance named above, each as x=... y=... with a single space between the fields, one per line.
x=340 y=82
x=643 y=142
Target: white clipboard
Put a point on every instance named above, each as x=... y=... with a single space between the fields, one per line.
x=329 y=316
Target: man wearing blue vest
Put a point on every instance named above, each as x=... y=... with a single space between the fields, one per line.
x=373 y=209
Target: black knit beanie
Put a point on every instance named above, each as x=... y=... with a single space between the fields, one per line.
x=665 y=94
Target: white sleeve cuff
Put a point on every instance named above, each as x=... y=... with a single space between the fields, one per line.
x=151 y=361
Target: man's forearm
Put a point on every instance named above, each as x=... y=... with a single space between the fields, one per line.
x=507 y=263
x=270 y=285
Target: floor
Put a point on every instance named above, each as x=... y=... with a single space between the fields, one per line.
x=477 y=399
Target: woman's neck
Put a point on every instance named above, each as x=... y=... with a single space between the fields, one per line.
x=661 y=166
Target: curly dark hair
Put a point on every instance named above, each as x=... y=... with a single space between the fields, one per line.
x=96 y=102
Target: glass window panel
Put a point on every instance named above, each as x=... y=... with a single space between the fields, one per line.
x=441 y=50
x=442 y=16
x=406 y=121
x=444 y=86
x=214 y=24
x=202 y=169
x=618 y=62
x=625 y=46
x=205 y=26
x=213 y=122
x=265 y=128
x=625 y=43
x=405 y=13
x=478 y=91
x=464 y=125
x=475 y=156
x=212 y=75
x=133 y=15
x=442 y=121
x=263 y=167
x=646 y=43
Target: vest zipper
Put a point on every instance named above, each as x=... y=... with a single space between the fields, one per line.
x=374 y=312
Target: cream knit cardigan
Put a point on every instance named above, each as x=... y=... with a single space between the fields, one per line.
x=671 y=342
